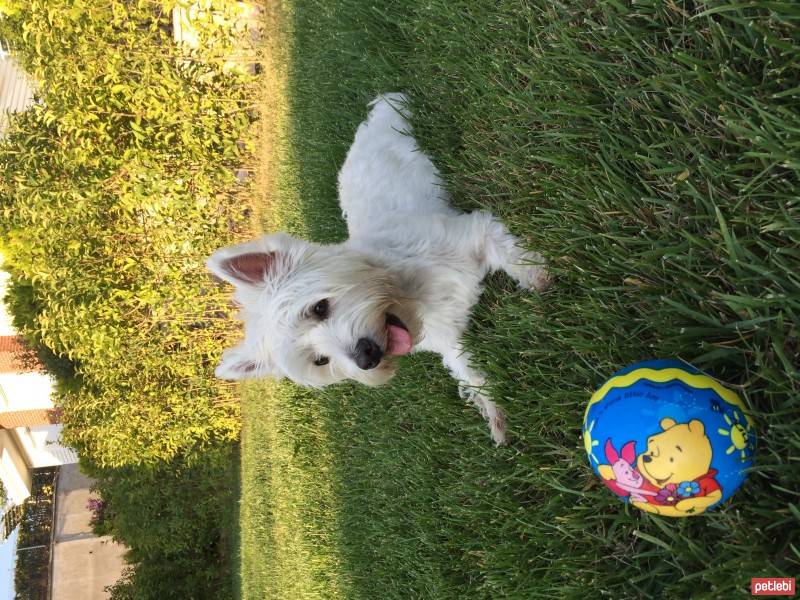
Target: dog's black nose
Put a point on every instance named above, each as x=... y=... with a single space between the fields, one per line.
x=646 y=458
x=368 y=354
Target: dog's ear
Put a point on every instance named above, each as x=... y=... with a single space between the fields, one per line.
x=248 y=268
x=251 y=263
x=237 y=363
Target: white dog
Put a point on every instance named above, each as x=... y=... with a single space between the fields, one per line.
x=405 y=281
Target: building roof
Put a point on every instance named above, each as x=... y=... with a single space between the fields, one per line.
x=15 y=357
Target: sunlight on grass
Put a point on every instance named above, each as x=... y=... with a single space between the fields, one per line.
x=288 y=510
x=276 y=185
x=284 y=552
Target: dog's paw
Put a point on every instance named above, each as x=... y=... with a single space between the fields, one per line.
x=536 y=278
x=493 y=414
x=531 y=272
x=497 y=425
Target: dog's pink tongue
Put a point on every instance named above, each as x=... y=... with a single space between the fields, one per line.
x=399 y=341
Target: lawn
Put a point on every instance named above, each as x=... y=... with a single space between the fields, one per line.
x=649 y=150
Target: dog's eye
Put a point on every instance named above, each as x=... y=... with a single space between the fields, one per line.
x=321 y=309
x=321 y=361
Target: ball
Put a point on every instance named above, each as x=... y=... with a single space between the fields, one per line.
x=668 y=439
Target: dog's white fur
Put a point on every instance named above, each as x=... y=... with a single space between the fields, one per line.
x=409 y=254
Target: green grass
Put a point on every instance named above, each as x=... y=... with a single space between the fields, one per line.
x=650 y=151
x=230 y=534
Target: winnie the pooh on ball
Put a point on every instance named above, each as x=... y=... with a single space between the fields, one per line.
x=674 y=441
x=678 y=461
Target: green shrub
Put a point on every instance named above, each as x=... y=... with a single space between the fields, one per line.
x=113 y=190
x=171 y=518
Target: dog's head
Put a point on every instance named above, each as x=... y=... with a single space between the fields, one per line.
x=315 y=314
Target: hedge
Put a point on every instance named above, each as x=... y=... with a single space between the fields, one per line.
x=114 y=187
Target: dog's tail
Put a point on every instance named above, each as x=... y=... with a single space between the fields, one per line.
x=395 y=101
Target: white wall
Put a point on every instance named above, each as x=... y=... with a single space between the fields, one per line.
x=25 y=391
x=13 y=468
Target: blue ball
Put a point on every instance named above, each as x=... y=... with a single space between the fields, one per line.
x=668 y=439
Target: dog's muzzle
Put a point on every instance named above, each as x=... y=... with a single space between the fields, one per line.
x=368 y=354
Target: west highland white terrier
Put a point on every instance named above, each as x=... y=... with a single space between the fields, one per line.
x=405 y=280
